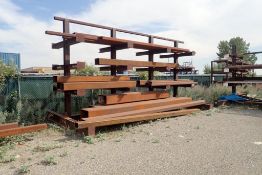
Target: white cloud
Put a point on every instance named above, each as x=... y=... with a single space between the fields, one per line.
x=200 y=23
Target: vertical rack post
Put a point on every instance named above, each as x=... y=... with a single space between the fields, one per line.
x=211 y=73
x=175 y=71
x=113 y=56
x=66 y=56
x=234 y=56
x=150 y=58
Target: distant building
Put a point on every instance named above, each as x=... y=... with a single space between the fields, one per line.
x=41 y=71
x=11 y=59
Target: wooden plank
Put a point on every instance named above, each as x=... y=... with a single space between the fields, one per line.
x=8 y=125
x=96 y=85
x=106 y=61
x=112 y=109
x=22 y=130
x=154 y=83
x=131 y=97
x=71 y=79
x=132 y=118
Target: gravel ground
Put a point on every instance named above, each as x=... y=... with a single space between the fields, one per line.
x=225 y=141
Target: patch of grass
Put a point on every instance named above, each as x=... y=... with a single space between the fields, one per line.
x=155 y=141
x=88 y=140
x=46 y=148
x=50 y=160
x=100 y=136
x=64 y=154
x=197 y=127
x=8 y=159
x=4 y=149
x=55 y=127
x=24 y=169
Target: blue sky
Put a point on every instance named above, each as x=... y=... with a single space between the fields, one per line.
x=43 y=9
x=200 y=23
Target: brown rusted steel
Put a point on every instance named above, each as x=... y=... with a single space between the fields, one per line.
x=128 y=119
x=111 y=109
x=62 y=119
x=255 y=66
x=21 y=130
x=96 y=85
x=167 y=50
x=81 y=37
x=151 y=110
x=8 y=125
x=116 y=47
x=111 y=28
x=118 y=68
x=131 y=97
x=178 y=55
x=105 y=61
x=153 y=83
x=71 y=79
x=78 y=66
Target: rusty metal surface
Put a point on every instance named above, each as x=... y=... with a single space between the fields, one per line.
x=111 y=109
x=131 y=97
x=8 y=125
x=99 y=78
x=163 y=108
x=96 y=85
x=21 y=130
x=105 y=61
x=132 y=118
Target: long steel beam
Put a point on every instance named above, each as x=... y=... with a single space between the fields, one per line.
x=105 y=61
x=22 y=130
x=132 y=118
x=131 y=97
x=112 y=109
x=71 y=79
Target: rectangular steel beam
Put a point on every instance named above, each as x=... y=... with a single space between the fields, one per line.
x=112 y=109
x=132 y=118
x=154 y=83
x=152 y=109
x=98 y=78
x=105 y=61
x=131 y=97
x=166 y=50
x=22 y=130
x=8 y=125
x=117 y=47
x=96 y=85
x=79 y=65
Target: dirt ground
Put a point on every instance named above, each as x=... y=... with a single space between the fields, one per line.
x=218 y=141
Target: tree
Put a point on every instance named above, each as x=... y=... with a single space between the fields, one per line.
x=207 y=69
x=88 y=70
x=224 y=47
x=6 y=72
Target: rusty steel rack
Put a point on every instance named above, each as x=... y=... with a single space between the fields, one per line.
x=235 y=70
x=120 y=107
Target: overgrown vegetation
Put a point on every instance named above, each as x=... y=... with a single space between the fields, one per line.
x=210 y=94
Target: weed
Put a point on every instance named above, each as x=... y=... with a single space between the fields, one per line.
x=24 y=169
x=100 y=136
x=88 y=139
x=46 y=148
x=117 y=140
x=155 y=141
x=64 y=154
x=197 y=127
x=8 y=159
x=50 y=160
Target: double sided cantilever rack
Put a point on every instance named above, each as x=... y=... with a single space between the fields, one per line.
x=120 y=107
